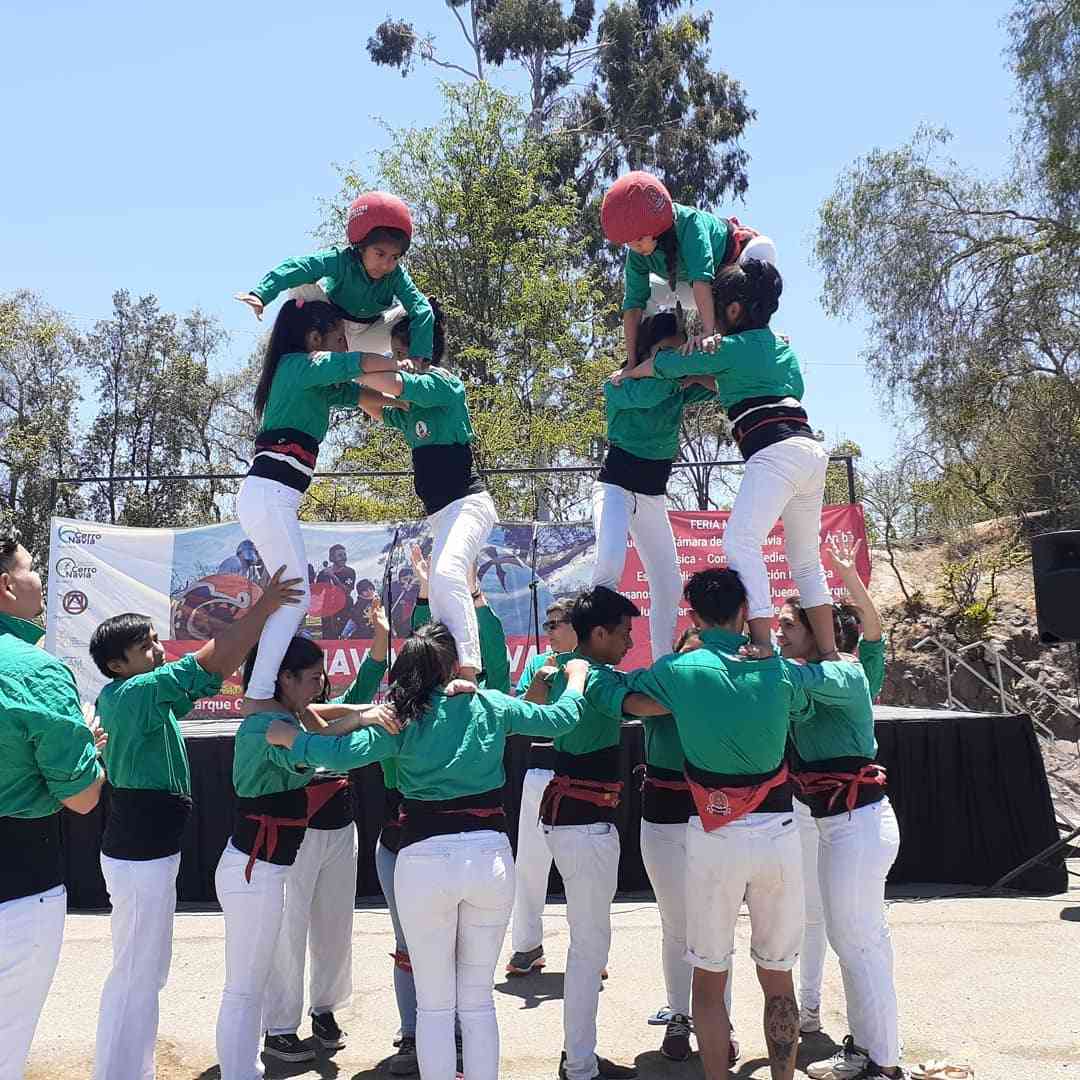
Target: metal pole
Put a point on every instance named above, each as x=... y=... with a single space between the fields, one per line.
x=54 y=495
x=849 y=461
x=388 y=597
x=534 y=588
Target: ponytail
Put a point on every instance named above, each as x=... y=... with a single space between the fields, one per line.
x=754 y=284
x=402 y=331
x=668 y=243
x=289 y=335
x=425 y=663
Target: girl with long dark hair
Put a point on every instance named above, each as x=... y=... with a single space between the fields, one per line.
x=364 y=279
x=273 y=804
x=454 y=879
x=306 y=373
x=759 y=382
x=675 y=251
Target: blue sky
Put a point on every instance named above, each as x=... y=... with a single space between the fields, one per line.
x=181 y=149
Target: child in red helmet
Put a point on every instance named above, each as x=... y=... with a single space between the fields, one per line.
x=365 y=278
x=675 y=251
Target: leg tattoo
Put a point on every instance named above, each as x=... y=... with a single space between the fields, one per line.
x=781 y=1031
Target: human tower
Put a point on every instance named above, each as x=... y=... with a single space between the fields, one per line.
x=760 y=786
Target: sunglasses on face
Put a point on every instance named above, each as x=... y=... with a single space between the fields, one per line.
x=552 y=623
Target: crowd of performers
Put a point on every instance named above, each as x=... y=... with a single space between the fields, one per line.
x=760 y=785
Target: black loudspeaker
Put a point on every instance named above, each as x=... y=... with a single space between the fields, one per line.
x=1055 y=561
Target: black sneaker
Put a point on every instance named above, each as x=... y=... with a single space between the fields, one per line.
x=404 y=1062
x=607 y=1069
x=287 y=1048
x=326 y=1031
x=676 y=1044
x=523 y=963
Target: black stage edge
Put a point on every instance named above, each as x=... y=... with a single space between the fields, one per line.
x=970 y=792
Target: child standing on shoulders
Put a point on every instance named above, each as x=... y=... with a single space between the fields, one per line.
x=758 y=381
x=306 y=373
x=675 y=251
x=364 y=280
x=461 y=512
x=644 y=417
x=150 y=804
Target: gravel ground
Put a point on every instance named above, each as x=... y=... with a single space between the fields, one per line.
x=990 y=982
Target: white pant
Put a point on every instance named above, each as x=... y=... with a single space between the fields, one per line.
x=319 y=899
x=31 y=932
x=857 y=850
x=785 y=480
x=454 y=895
x=815 y=941
x=663 y=851
x=361 y=337
x=618 y=513
x=458 y=533
x=268 y=515
x=253 y=913
x=532 y=865
x=757 y=858
x=588 y=860
x=143 y=897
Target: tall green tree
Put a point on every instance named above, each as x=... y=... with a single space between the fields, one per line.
x=972 y=287
x=39 y=397
x=156 y=415
x=528 y=327
x=631 y=87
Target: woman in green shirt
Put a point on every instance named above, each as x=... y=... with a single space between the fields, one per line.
x=454 y=879
x=365 y=280
x=273 y=806
x=675 y=251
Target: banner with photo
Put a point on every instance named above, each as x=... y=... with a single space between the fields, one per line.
x=193 y=581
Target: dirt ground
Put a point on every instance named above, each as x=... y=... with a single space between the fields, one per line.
x=991 y=982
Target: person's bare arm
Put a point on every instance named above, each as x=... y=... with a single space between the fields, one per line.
x=631 y=324
x=703 y=297
x=88 y=798
x=843 y=555
x=642 y=705
x=539 y=689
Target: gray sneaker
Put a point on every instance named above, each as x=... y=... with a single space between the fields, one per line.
x=404 y=1062
x=523 y=963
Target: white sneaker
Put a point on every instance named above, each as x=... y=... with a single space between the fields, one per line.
x=809 y=1019
x=662 y=1016
x=848 y=1063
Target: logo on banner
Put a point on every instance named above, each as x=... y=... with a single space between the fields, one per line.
x=74 y=602
x=69 y=569
x=70 y=535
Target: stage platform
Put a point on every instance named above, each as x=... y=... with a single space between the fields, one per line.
x=970 y=792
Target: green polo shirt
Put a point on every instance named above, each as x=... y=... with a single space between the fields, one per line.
x=454 y=749
x=141 y=714
x=644 y=416
x=306 y=387
x=662 y=746
x=262 y=769
x=601 y=720
x=528 y=672
x=753 y=364
x=732 y=714
x=46 y=750
x=493 y=655
x=703 y=240
x=347 y=283
x=438 y=413
x=362 y=692
x=872 y=657
x=838 y=719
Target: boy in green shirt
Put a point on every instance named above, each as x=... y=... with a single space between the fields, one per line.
x=149 y=806
x=48 y=760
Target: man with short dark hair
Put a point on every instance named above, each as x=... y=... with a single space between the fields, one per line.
x=48 y=759
x=732 y=714
x=578 y=812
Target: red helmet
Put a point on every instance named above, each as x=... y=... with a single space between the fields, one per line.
x=635 y=206
x=377 y=210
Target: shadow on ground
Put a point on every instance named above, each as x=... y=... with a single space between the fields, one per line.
x=654 y=1066
x=535 y=989
x=1070 y=914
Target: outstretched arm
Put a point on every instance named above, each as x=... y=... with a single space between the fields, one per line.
x=843 y=554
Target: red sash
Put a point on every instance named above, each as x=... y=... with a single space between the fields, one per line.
x=739 y=236
x=722 y=806
x=596 y=792
x=318 y=795
x=833 y=783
